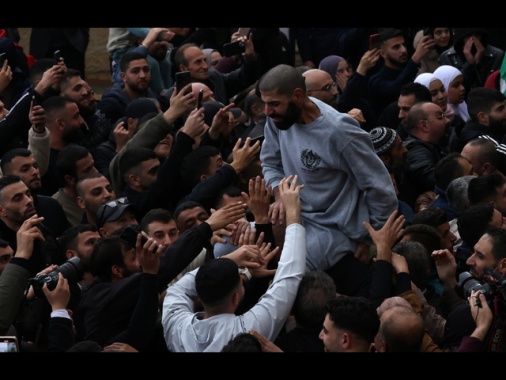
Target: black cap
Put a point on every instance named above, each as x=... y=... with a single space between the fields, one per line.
x=112 y=210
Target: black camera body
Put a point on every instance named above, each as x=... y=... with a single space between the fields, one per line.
x=72 y=270
x=493 y=284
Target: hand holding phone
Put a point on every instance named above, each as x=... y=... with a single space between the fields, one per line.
x=3 y=58
x=200 y=98
x=374 y=42
x=183 y=78
x=57 y=56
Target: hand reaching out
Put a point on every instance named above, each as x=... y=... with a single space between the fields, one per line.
x=258 y=199
x=289 y=193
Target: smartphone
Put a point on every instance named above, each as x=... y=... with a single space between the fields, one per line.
x=57 y=55
x=3 y=58
x=374 y=42
x=233 y=48
x=9 y=344
x=200 y=98
x=130 y=236
x=34 y=101
x=428 y=32
x=243 y=31
x=182 y=79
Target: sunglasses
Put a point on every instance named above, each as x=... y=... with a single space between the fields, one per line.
x=111 y=204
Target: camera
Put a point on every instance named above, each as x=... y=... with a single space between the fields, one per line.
x=72 y=270
x=493 y=284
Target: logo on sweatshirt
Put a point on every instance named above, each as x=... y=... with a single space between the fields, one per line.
x=310 y=160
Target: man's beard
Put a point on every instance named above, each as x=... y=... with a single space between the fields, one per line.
x=291 y=116
x=497 y=126
x=74 y=136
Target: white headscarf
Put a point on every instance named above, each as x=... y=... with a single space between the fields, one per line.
x=426 y=79
x=447 y=74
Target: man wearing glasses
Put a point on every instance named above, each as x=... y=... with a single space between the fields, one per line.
x=319 y=85
x=427 y=143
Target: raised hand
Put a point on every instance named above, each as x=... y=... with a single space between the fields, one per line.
x=226 y=215
x=258 y=199
x=245 y=155
x=289 y=193
x=26 y=235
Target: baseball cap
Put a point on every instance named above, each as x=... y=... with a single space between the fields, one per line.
x=112 y=210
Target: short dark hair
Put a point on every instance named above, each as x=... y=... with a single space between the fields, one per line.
x=484 y=188
x=473 y=222
x=243 y=342
x=67 y=159
x=315 y=290
x=231 y=190
x=196 y=163
x=68 y=240
x=129 y=57
x=389 y=33
x=482 y=99
x=447 y=169
x=8 y=180
x=355 y=314
x=425 y=234
x=107 y=252
x=498 y=238
x=132 y=158
x=216 y=280
x=420 y=264
x=187 y=205
x=10 y=155
x=85 y=178
x=420 y=92
x=155 y=215
x=433 y=216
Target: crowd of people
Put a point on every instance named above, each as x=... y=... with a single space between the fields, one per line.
x=353 y=203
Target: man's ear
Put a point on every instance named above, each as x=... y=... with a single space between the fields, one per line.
x=103 y=232
x=132 y=179
x=501 y=266
x=70 y=253
x=81 y=202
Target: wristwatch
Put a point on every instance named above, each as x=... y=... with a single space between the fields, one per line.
x=245 y=271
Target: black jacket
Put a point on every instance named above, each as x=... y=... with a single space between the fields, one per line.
x=474 y=75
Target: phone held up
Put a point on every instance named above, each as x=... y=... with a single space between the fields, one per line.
x=9 y=344
x=233 y=48
x=374 y=42
x=130 y=236
x=57 y=56
x=200 y=98
x=183 y=78
x=3 y=58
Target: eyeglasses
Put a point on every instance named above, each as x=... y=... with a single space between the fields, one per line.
x=111 y=204
x=327 y=87
x=90 y=93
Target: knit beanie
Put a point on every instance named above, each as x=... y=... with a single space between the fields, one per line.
x=382 y=138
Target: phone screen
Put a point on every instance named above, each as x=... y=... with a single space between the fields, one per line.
x=8 y=344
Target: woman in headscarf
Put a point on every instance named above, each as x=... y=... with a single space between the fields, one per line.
x=453 y=80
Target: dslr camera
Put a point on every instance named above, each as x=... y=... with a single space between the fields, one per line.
x=72 y=270
x=493 y=284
